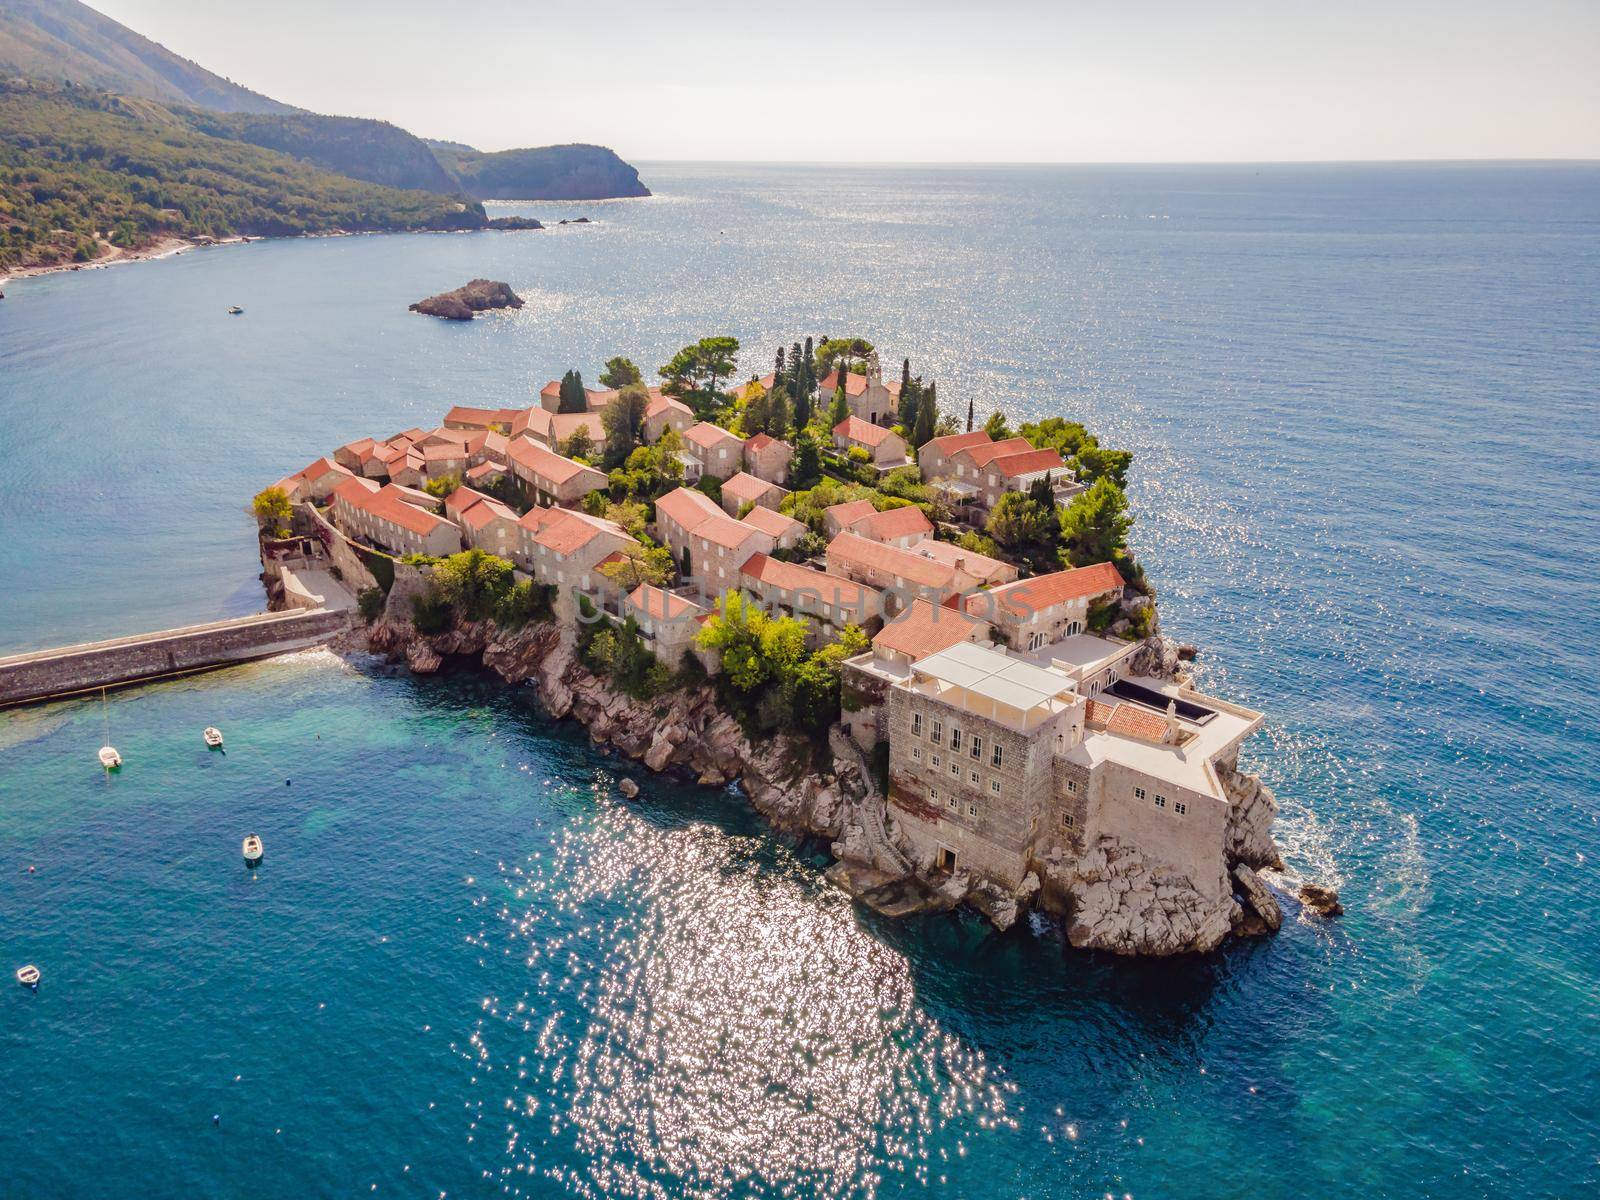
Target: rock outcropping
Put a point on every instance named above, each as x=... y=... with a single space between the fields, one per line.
x=468 y=300
x=1109 y=898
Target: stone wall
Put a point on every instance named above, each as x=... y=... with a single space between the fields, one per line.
x=340 y=552
x=46 y=673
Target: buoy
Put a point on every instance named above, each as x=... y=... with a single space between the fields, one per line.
x=216 y=1118
x=286 y=783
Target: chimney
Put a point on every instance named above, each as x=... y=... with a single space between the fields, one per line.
x=1174 y=730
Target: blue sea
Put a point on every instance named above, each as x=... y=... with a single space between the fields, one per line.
x=1365 y=404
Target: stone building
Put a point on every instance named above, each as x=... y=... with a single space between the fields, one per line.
x=1031 y=613
x=885 y=448
x=548 y=478
x=998 y=765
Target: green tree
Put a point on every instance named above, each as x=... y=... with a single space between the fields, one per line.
x=623 y=422
x=969 y=415
x=835 y=352
x=580 y=445
x=1025 y=529
x=805 y=468
x=442 y=485
x=841 y=405
x=273 y=510
x=639 y=564
x=472 y=582
x=698 y=367
x=1095 y=463
x=996 y=426
x=1094 y=527
x=619 y=373
x=735 y=629
x=573 y=398
x=922 y=431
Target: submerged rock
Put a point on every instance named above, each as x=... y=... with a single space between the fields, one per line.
x=628 y=788
x=468 y=300
x=1324 y=901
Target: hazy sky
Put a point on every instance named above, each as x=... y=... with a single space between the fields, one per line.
x=928 y=80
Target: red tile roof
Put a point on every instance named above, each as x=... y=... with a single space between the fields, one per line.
x=564 y=531
x=770 y=521
x=1028 y=596
x=865 y=432
x=388 y=502
x=893 y=523
x=849 y=512
x=979 y=566
x=546 y=464
x=922 y=629
x=687 y=507
x=660 y=403
x=1098 y=712
x=985 y=453
x=485 y=510
x=951 y=442
x=760 y=442
x=723 y=530
x=704 y=433
x=858 y=551
x=662 y=604
x=1133 y=721
x=1027 y=462
x=833 y=590
x=483 y=417
x=462 y=499
x=745 y=486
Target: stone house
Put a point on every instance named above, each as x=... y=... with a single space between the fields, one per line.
x=828 y=602
x=314 y=482
x=717 y=543
x=985 y=571
x=886 y=448
x=786 y=531
x=553 y=430
x=711 y=450
x=870 y=398
x=966 y=464
x=355 y=456
x=385 y=519
x=486 y=523
x=667 y=621
x=903 y=527
x=767 y=457
x=836 y=518
x=744 y=488
x=665 y=412
x=1031 y=613
x=465 y=417
x=934 y=457
x=903 y=574
x=1019 y=472
x=563 y=547
x=549 y=478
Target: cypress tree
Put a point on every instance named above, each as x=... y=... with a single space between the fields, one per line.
x=777 y=370
x=969 y=416
x=927 y=417
x=797 y=374
x=905 y=375
x=809 y=383
x=841 y=404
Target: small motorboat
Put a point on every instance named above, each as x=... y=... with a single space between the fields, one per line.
x=234 y=310
x=213 y=737
x=109 y=758
x=28 y=976
x=252 y=850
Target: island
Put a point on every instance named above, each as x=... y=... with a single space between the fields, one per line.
x=923 y=641
x=468 y=300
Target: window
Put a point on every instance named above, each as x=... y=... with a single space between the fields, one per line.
x=936 y=761
x=994 y=786
x=955 y=739
x=996 y=756
x=1138 y=793
x=916 y=724
x=977 y=747
x=950 y=803
x=1161 y=801
x=1180 y=808
x=974 y=777
x=955 y=768
x=1068 y=820
x=972 y=810
x=916 y=754
x=1072 y=785
x=933 y=794
x=936 y=734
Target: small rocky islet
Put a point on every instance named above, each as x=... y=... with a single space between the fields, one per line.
x=468 y=300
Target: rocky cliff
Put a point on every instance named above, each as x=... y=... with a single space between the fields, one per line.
x=1109 y=898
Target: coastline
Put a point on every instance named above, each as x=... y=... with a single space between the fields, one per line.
x=115 y=256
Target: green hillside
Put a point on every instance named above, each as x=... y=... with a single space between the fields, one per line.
x=74 y=163
x=573 y=172
x=374 y=151
x=64 y=41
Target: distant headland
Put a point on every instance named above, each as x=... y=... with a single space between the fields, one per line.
x=119 y=149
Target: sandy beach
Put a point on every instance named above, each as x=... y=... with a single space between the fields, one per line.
x=112 y=256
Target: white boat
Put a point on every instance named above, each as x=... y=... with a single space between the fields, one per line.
x=252 y=850
x=28 y=976
x=213 y=737
x=109 y=758
x=234 y=310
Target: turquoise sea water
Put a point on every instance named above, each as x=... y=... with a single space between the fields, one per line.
x=1364 y=406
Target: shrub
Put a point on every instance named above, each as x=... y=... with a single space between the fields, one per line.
x=525 y=601
x=431 y=613
x=370 y=604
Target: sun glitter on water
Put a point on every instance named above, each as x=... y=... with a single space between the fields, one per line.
x=728 y=1029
